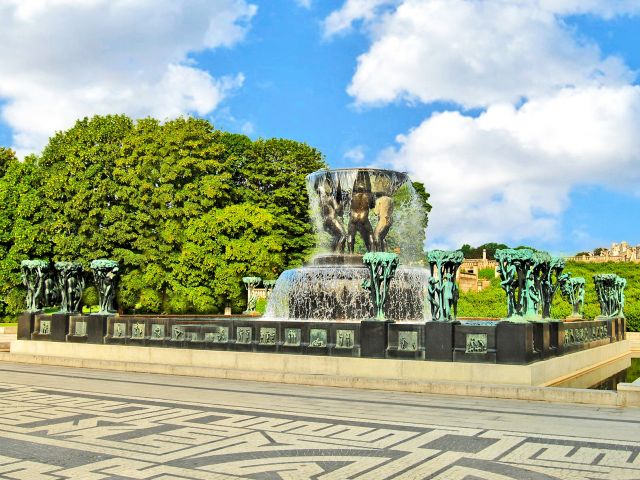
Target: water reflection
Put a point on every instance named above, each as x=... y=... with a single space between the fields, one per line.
x=606 y=377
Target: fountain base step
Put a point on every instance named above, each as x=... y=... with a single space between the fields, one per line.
x=478 y=341
x=449 y=378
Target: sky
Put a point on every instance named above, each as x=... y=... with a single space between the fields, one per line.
x=521 y=117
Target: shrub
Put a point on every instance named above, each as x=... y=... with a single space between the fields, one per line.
x=487 y=273
x=261 y=305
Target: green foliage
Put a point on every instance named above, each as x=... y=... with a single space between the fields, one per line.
x=261 y=306
x=476 y=252
x=20 y=227
x=185 y=209
x=424 y=197
x=491 y=302
x=90 y=296
x=486 y=273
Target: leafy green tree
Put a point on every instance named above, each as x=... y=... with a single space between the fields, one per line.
x=21 y=223
x=80 y=195
x=271 y=174
x=187 y=210
x=476 y=252
x=167 y=175
x=222 y=247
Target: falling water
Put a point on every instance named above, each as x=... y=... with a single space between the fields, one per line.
x=330 y=288
x=335 y=293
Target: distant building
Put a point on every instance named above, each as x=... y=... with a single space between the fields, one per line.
x=618 y=252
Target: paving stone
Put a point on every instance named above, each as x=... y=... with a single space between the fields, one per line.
x=69 y=423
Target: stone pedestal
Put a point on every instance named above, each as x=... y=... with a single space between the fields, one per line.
x=475 y=342
x=405 y=340
x=575 y=336
x=618 y=328
x=515 y=342
x=439 y=338
x=52 y=327
x=344 y=339
x=554 y=330
x=373 y=338
x=87 y=328
x=542 y=339
x=294 y=337
x=26 y=325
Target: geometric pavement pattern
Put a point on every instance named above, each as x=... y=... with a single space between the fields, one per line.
x=53 y=433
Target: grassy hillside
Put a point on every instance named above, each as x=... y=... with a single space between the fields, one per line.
x=492 y=301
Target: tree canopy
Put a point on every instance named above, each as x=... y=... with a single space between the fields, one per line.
x=186 y=209
x=476 y=252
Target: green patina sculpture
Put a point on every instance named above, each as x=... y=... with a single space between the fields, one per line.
x=516 y=279
x=610 y=290
x=442 y=289
x=268 y=287
x=545 y=269
x=382 y=268
x=71 y=283
x=105 y=275
x=527 y=277
x=252 y=298
x=572 y=288
x=33 y=278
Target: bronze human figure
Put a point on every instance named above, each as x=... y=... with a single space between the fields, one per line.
x=332 y=209
x=362 y=201
x=384 y=211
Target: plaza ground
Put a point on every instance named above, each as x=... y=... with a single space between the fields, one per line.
x=62 y=422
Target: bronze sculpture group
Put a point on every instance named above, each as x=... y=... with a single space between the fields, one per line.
x=359 y=199
x=62 y=283
x=442 y=289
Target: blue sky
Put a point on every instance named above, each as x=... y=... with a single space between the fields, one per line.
x=520 y=117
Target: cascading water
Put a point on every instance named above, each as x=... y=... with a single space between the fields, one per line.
x=354 y=211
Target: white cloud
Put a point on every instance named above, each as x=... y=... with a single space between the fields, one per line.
x=355 y=154
x=473 y=53
x=64 y=59
x=353 y=10
x=304 y=3
x=507 y=174
x=557 y=113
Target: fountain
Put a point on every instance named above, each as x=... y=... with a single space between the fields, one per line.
x=365 y=293
x=356 y=211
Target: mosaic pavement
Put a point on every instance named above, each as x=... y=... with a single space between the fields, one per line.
x=55 y=433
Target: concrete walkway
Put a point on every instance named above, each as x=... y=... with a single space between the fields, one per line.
x=78 y=423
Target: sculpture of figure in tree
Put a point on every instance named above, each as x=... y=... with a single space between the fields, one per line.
x=620 y=285
x=105 y=274
x=508 y=283
x=433 y=289
x=532 y=299
x=252 y=298
x=382 y=268
x=448 y=288
x=33 y=272
x=70 y=284
x=444 y=265
x=52 y=293
x=332 y=209
x=610 y=290
x=573 y=289
x=361 y=202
